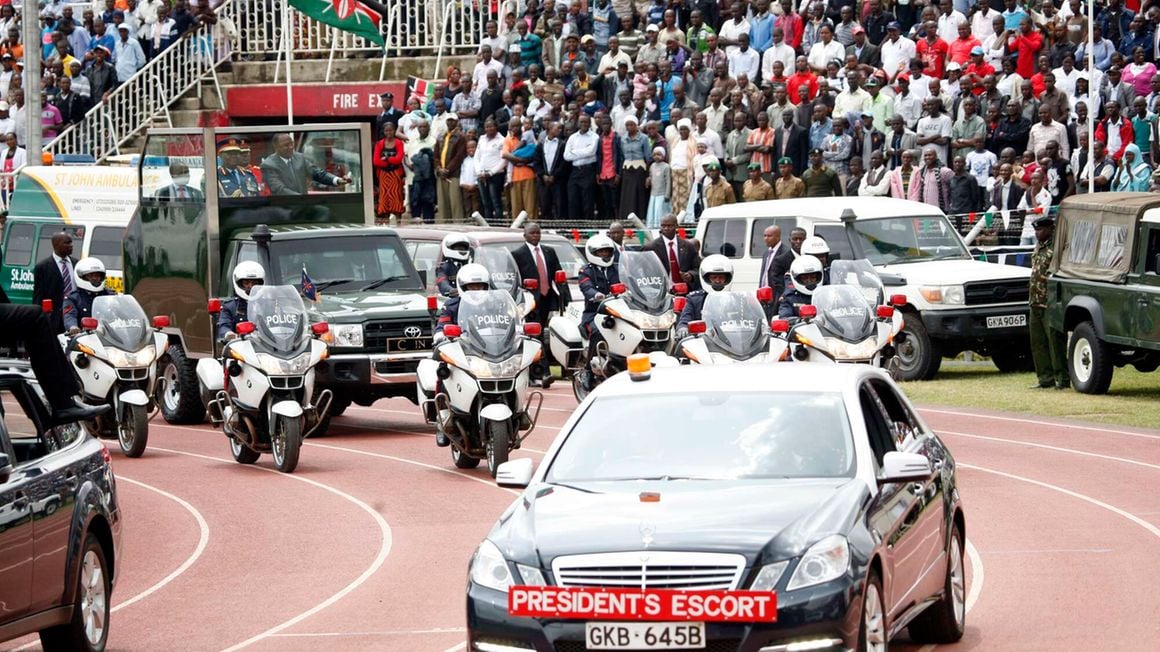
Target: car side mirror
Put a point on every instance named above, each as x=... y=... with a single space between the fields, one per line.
x=515 y=474
x=892 y=280
x=904 y=467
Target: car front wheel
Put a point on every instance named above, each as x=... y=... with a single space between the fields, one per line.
x=945 y=620
x=89 y=627
x=1088 y=361
x=872 y=632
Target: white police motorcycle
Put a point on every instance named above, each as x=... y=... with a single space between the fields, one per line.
x=732 y=330
x=263 y=387
x=114 y=357
x=505 y=275
x=477 y=392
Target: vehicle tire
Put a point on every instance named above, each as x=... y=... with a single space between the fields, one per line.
x=1013 y=359
x=918 y=356
x=178 y=389
x=463 y=460
x=242 y=453
x=945 y=620
x=578 y=385
x=51 y=508
x=338 y=405
x=1089 y=363
x=286 y=442
x=872 y=635
x=133 y=435
x=497 y=442
x=88 y=629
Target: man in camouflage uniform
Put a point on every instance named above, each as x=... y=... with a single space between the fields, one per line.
x=1048 y=347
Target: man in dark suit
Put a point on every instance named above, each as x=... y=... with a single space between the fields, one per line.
x=180 y=190
x=389 y=114
x=541 y=263
x=552 y=174
x=71 y=105
x=792 y=140
x=53 y=278
x=677 y=254
x=1006 y=194
x=287 y=172
x=774 y=264
x=867 y=52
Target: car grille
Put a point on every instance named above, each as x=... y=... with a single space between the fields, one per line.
x=385 y=367
x=133 y=373
x=1013 y=291
x=497 y=386
x=718 y=645
x=397 y=336
x=285 y=382
x=651 y=569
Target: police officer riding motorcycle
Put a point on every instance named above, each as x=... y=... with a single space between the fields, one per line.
x=456 y=253
x=805 y=276
x=716 y=276
x=89 y=275
x=246 y=275
x=816 y=246
x=596 y=281
x=469 y=277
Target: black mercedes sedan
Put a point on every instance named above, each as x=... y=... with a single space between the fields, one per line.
x=782 y=507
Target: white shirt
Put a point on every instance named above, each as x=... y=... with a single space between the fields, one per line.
x=777 y=52
x=896 y=55
x=715 y=146
x=479 y=76
x=618 y=115
x=715 y=117
x=610 y=61
x=847 y=102
x=489 y=155
x=1114 y=141
x=746 y=62
x=821 y=53
x=981 y=23
x=1042 y=198
x=581 y=148
x=948 y=26
x=731 y=30
x=467 y=176
x=1042 y=134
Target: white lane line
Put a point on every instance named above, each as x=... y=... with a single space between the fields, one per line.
x=202 y=541
x=380 y=558
x=456 y=648
x=1054 y=551
x=1058 y=449
x=403 y=460
x=1040 y=423
x=399 y=632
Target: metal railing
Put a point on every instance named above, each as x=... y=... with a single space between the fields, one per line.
x=147 y=95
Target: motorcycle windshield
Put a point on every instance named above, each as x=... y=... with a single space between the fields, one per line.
x=645 y=279
x=122 y=323
x=505 y=275
x=844 y=312
x=279 y=318
x=862 y=275
x=489 y=322
x=735 y=324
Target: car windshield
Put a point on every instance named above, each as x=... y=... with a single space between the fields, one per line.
x=909 y=239
x=844 y=312
x=644 y=276
x=279 y=318
x=505 y=274
x=347 y=264
x=735 y=324
x=859 y=274
x=121 y=323
x=570 y=259
x=489 y=322
x=708 y=435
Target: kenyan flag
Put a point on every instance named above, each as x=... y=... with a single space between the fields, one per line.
x=359 y=17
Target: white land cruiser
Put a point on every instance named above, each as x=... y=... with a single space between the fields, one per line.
x=954 y=303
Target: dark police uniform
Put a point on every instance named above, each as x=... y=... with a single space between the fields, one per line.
x=594 y=280
x=79 y=305
x=233 y=311
x=694 y=303
x=792 y=300
x=445 y=275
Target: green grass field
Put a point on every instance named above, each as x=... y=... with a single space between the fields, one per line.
x=1131 y=401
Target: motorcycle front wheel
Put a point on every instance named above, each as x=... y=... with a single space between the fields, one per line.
x=243 y=454
x=133 y=431
x=463 y=460
x=497 y=441
x=285 y=442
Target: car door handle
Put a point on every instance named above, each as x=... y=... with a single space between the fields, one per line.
x=21 y=500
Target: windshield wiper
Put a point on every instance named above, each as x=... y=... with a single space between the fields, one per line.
x=383 y=281
x=325 y=284
x=568 y=486
x=666 y=478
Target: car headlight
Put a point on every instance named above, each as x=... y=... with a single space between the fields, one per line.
x=945 y=294
x=345 y=335
x=768 y=576
x=490 y=569
x=826 y=560
x=531 y=575
x=481 y=368
x=275 y=366
x=141 y=358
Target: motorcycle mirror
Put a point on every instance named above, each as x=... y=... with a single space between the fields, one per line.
x=532 y=329
x=432 y=303
x=618 y=288
x=765 y=294
x=214 y=306
x=88 y=323
x=161 y=321
x=898 y=300
x=808 y=312
x=46 y=305
x=321 y=328
x=561 y=277
x=885 y=312
x=452 y=330
x=779 y=325
x=696 y=327
x=680 y=288
x=245 y=327
x=531 y=285
x=679 y=304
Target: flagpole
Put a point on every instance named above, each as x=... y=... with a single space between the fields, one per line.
x=286 y=29
x=1092 y=110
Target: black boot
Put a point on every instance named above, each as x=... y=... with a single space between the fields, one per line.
x=77 y=411
x=441 y=439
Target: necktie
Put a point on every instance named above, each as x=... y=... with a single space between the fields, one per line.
x=181 y=192
x=543 y=269
x=765 y=268
x=674 y=266
x=66 y=278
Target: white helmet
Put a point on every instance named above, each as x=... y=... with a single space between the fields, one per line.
x=248 y=270
x=596 y=244
x=472 y=274
x=716 y=264
x=815 y=246
x=86 y=266
x=806 y=273
x=450 y=241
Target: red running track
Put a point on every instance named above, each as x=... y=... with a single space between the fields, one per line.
x=366 y=545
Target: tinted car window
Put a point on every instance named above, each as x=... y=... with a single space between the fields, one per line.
x=360 y=259
x=835 y=237
x=903 y=426
x=881 y=441
x=106 y=245
x=570 y=259
x=18 y=253
x=757 y=233
x=725 y=237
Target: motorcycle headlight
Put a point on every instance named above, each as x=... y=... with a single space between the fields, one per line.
x=660 y=322
x=275 y=366
x=768 y=576
x=490 y=569
x=345 y=335
x=481 y=368
x=826 y=560
x=846 y=351
x=945 y=294
x=141 y=358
